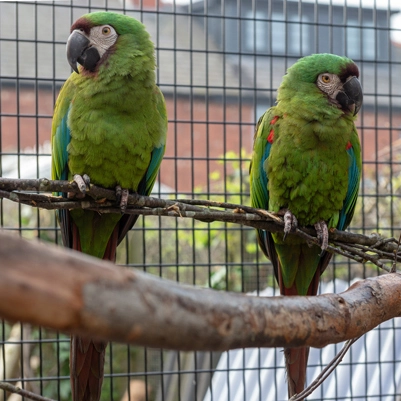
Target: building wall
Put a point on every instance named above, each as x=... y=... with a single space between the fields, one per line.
x=25 y=117
x=200 y=133
x=199 y=136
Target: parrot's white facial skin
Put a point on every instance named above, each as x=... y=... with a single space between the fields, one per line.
x=330 y=84
x=101 y=37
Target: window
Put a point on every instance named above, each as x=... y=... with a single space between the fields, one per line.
x=278 y=33
x=298 y=35
x=256 y=32
x=275 y=35
x=361 y=40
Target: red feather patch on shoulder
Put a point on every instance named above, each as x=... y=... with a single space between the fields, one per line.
x=270 y=138
x=274 y=120
x=349 y=145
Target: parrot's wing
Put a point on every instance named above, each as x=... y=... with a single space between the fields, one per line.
x=61 y=133
x=263 y=139
x=60 y=139
x=148 y=181
x=354 y=175
x=158 y=152
x=261 y=151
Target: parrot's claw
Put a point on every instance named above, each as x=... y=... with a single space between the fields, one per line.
x=122 y=198
x=83 y=182
x=87 y=179
x=322 y=234
x=290 y=223
x=118 y=193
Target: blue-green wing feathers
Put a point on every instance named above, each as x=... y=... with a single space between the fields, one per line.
x=354 y=175
x=259 y=181
x=61 y=137
x=258 y=175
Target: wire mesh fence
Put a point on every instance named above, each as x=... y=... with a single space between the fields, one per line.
x=219 y=65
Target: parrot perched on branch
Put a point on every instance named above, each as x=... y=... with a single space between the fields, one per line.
x=306 y=165
x=109 y=128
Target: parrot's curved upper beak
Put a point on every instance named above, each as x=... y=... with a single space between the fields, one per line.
x=79 y=50
x=351 y=97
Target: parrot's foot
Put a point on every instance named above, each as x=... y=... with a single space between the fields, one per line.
x=83 y=182
x=290 y=223
x=322 y=234
x=122 y=198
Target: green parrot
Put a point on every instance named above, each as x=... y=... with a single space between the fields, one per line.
x=109 y=128
x=306 y=165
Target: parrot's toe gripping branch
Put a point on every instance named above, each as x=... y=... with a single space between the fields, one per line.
x=122 y=198
x=290 y=223
x=322 y=234
x=83 y=182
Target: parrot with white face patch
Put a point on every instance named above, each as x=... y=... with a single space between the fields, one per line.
x=109 y=128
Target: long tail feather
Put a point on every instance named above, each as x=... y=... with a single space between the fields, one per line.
x=86 y=368
x=87 y=356
x=296 y=361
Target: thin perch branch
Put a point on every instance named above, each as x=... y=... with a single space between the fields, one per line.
x=24 y=393
x=101 y=300
x=361 y=248
x=325 y=373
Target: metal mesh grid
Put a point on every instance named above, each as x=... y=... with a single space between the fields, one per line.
x=219 y=65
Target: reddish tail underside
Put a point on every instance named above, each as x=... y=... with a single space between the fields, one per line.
x=87 y=355
x=296 y=359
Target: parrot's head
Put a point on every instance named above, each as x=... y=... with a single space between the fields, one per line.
x=97 y=36
x=328 y=78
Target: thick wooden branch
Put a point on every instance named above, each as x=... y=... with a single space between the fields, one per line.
x=67 y=291
x=361 y=248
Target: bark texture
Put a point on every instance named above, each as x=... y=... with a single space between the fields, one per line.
x=68 y=291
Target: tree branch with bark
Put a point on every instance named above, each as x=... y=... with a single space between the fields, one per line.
x=108 y=302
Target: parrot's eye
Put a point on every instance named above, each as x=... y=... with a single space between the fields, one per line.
x=326 y=79
x=106 y=30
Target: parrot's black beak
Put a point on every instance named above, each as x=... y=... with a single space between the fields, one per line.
x=351 y=97
x=79 y=50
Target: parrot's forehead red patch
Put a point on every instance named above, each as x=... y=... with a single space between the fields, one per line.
x=351 y=70
x=82 y=24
